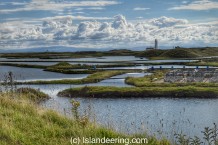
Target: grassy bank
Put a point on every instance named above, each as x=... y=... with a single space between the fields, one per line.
x=142 y=92
x=156 y=80
x=146 y=80
x=67 y=68
x=23 y=122
x=206 y=62
x=93 y=78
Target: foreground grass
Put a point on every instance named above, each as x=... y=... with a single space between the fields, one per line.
x=127 y=92
x=93 y=78
x=22 y=122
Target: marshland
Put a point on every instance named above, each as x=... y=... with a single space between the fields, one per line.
x=124 y=95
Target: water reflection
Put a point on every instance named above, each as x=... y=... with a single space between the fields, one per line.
x=30 y=74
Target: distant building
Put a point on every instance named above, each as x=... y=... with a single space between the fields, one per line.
x=150 y=48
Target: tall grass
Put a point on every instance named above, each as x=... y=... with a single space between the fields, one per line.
x=23 y=122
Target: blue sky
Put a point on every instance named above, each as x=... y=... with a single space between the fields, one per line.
x=107 y=24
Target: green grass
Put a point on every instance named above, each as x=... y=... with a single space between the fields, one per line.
x=23 y=122
x=127 y=92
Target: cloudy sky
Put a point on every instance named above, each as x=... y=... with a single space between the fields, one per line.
x=107 y=24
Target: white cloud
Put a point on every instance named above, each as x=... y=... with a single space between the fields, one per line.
x=54 y=6
x=197 y=5
x=167 y=21
x=140 y=9
x=116 y=33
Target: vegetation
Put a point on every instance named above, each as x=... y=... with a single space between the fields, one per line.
x=59 y=55
x=23 y=122
x=33 y=94
x=210 y=137
x=146 y=80
x=67 y=68
x=180 y=53
x=206 y=62
x=156 y=80
x=127 y=92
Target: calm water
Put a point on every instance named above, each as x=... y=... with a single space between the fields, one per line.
x=160 y=116
x=30 y=74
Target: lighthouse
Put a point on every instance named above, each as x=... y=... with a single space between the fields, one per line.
x=155 y=44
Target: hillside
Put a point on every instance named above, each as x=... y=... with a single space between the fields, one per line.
x=181 y=53
x=156 y=54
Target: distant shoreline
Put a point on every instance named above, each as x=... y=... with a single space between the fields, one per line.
x=177 y=53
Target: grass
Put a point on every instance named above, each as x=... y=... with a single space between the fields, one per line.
x=33 y=94
x=158 y=75
x=67 y=68
x=206 y=62
x=93 y=78
x=23 y=122
x=126 y=92
x=146 y=80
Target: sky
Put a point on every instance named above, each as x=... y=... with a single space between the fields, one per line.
x=107 y=24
